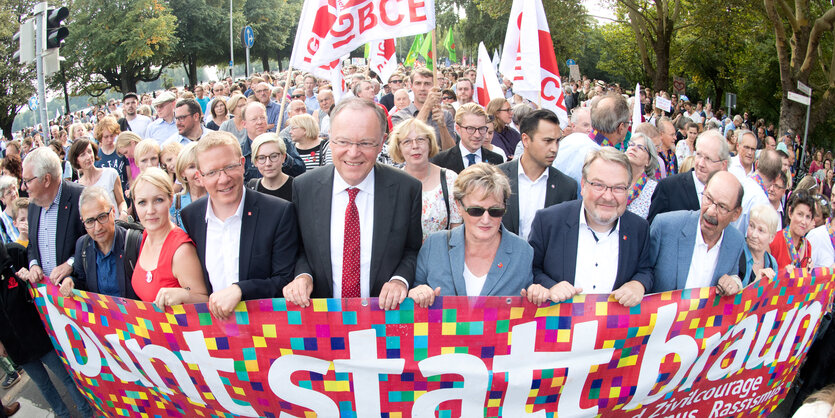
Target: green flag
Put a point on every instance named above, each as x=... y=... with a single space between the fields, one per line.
x=413 y=51
x=449 y=44
x=426 y=51
x=367 y=51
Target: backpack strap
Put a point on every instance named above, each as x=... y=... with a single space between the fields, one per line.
x=445 y=191
x=133 y=242
x=84 y=252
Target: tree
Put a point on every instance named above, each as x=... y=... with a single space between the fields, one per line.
x=274 y=23
x=120 y=42
x=16 y=79
x=198 y=40
x=801 y=53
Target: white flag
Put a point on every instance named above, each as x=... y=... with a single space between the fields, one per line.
x=329 y=29
x=382 y=59
x=636 y=108
x=333 y=72
x=487 y=85
x=532 y=66
x=496 y=59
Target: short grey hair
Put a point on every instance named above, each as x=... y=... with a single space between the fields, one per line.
x=767 y=215
x=96 y=194
x=575 y=114
x=357 y=103
x=521 y=110
x=724 y=151
x=44 y=161
x=740 y=133
x=609 y=112
x=6 y=182
x=607 y=154
x=653 y=153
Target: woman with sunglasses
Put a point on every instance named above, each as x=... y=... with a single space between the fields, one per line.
x=643 y=158
x=790 y=246
x=481 y=258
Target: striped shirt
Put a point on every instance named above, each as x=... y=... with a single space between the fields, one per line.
x=47 y=235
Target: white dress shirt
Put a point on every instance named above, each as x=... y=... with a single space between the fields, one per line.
x=700 y=187
x=465 y=152
x=753 y=195
x=736 y=168
x=474 y=283
x=703 y=262
x=823 y=254
x=365 y=207
x=597 y=258
x=223 y=246
x=531 y=198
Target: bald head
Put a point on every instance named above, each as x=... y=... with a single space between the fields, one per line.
x=610 y=116
x=769 y=165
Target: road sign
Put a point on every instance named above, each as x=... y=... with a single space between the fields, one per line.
x=569 y=62
x=800 y=98
x=33 y=102
x=804 y=88
x=248 y=36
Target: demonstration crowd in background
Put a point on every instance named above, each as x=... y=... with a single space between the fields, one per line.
x=406 y=188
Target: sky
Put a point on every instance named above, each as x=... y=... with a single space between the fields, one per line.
x=599 y=10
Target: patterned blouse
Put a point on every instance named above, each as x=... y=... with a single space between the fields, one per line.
x=640 y=206
x=433 y=213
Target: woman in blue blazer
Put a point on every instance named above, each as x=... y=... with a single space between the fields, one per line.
x=480 y=258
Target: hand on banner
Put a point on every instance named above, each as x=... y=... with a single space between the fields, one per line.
x=67 y=285
x=169 y=296
x=222 y=303
x=728 y=285
x=392 y=294
x=424 y=296
x=768 y=273
x=630 y=294
x=298 y=291
x=563 y=291
x=33 y=275
x=59 y=272
x=536 y=294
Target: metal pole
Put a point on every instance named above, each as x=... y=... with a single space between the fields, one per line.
x=805 y=134
x=231 y=44
x=247 y=63
x=40 y=42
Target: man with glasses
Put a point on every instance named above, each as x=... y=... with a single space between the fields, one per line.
x=359 y=221
x=426 y=106
x=683 y=191
x=742 y=165
x=777 y=196
x=757 y=184
x=471 y=126
x=697 y=248
x=187 y=115
x=53 y=203
x=164 y=126
x=255 y=123
x=105 y=260
x=246 y=241
x=262 y=94
x=594 y=245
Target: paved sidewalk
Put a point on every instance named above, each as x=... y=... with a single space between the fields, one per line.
x=32 y=403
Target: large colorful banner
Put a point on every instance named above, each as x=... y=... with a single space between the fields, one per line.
x=687 y=353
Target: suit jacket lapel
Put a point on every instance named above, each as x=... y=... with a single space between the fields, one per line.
x=570 y=246
x=456 y=261
x=723 y=260
x=92 y=275
x=551 y=188
x=623 y=251
x=686 y=245
x=385 y=196
x=322 y=214
x=249 y=218
x=35 y=221
x=457 y=159
x=692 y=194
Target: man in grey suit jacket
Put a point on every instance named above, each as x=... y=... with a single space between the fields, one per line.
x=359 y=221
x=534 y=183
x=693 y=249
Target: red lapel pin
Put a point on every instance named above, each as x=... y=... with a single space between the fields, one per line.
x=500 y=265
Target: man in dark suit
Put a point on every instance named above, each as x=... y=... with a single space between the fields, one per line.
x=471 y=125
x=54 y=222
x=534 y=183
x=360 y=221
x=247 y=241
x=103 y=265
x=594 y=245
x=683 y=191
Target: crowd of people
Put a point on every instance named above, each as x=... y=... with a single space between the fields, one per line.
x=233 y=191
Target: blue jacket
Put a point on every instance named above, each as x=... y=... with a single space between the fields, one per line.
x=673 y=238
x=554 y=236
x=86 y=273
x=442 y=265
x=768 y=262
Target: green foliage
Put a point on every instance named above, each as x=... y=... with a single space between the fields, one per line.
x=274 y=23
x=199 y=40
x=610 y=54
x=119 y=42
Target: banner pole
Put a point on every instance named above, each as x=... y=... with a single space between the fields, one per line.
x=284 y=98
x=434 y=60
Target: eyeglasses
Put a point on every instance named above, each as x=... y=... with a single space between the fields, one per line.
x=261 y=159
x=777 y=186
x=395 y=81
x=721 y=208
x=419 y=140
x=700 y=156
x=639 y=146
x=478 y=211
x=26 y=182
x=183 y=117
x=213 y=173
x=472 y=129
x=602 y=188
x=101 y=218
x=297 y=96
x=347 y=144
x=448 y=98
x=504 y=110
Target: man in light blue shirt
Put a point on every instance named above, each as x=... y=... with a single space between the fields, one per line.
x=163 y=127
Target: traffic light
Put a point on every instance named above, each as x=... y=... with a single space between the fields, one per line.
x=26 y=42
x=55 y=33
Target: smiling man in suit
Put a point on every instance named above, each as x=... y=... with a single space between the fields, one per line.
x=683 y=191
x=594 y=245
x=534 y=182
x=471 y=125
x=247 y=241
x=359 y=221
x=693 y=249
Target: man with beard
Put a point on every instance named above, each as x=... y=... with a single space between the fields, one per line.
x=594 y=245
x=694 y=249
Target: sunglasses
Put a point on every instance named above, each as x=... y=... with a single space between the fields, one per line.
x=477 y=211
x=297 y=96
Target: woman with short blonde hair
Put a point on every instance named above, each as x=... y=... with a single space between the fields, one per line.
x=268 y=155
x=314 y=150
x=146 y=154
x=188 y=175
